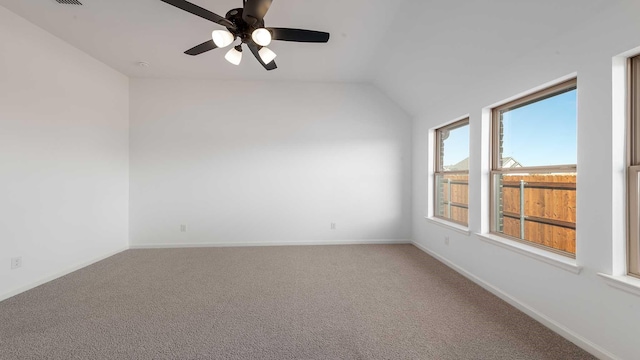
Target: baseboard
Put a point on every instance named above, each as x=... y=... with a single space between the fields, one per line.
x=59 y=274
x=518 y=304
x=283 y=243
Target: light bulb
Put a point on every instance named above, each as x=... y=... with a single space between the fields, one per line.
x=261 y=37
x=267 y=55
x=234 y=56
x=222 y=38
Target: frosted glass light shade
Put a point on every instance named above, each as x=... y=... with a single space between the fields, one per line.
x=234 y=56
x=261 y=37
x=267 y=55
x=222 y=38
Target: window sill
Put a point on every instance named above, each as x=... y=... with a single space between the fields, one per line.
x=449 y=225
x=623 y=282
x=556 y=260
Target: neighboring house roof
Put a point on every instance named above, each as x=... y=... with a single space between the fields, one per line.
x=460 y=166
x=507 y=162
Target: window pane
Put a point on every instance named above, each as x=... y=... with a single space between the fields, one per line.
x=455 y=149
x=537 y=208
x=634 y=219
x=635 y=109
x=452 y=197
x=634 y=188
x=542 y=133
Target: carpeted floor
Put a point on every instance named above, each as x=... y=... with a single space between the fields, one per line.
x=306 y=302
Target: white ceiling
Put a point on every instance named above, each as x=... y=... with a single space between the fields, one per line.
x=412 y=49
x=121 y=33
x=456 y=42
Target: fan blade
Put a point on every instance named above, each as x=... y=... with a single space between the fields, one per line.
x=299 y=35
x=255 y=10
x=254 y=49
x=198 y=11
x=204 y=47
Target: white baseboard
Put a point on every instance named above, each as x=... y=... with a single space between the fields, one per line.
x=59 y=274
x=518 y=304
x=284 y=243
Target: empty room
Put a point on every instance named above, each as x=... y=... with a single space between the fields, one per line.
x=281 y=179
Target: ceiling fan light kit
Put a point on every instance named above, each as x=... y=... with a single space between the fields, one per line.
x=222 y=38
x=261 y=37
x=234 y=55
x=267 y=55
x=246 y=24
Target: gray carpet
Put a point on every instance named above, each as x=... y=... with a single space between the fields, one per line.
x=307 y=302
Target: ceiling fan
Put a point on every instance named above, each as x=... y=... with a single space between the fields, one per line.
x=246 y=24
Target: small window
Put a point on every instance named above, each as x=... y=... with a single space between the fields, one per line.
x=533 y=176
x=634 y=169
x=451 y=176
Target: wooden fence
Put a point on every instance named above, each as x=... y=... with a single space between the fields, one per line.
x=457 y=209
x=549 y=209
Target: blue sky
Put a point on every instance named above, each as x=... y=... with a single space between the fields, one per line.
x=542 y=133
x=456 y=146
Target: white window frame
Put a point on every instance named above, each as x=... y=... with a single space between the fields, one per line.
x=633 y=249
x=496 y=168
x=439 y=169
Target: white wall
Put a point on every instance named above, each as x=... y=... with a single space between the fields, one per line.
x=63 y=156
x=279 y=162
x=603 y=319
x=266 y=163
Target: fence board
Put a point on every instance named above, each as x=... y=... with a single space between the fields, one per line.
x=549 y=197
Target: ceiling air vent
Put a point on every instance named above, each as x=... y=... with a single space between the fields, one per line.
x=69 y=2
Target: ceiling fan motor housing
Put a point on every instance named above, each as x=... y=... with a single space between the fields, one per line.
x=243 y=29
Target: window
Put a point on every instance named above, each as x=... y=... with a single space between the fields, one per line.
x=533 y=169
x=634 y=169
x=451 y=176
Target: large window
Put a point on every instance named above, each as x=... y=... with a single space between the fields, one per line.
x=451 y=177
x=533 y=169
x=634 y=169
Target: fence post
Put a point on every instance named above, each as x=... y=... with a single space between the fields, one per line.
x=522 y=209
x=449 y=198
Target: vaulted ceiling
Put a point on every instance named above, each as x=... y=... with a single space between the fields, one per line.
x=444 y=45
x=121 y=33
x=409 y=48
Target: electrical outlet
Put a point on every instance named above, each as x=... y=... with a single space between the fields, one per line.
x=183 y=228
x=446 y=240
x=333 y=226
x=16 y=262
